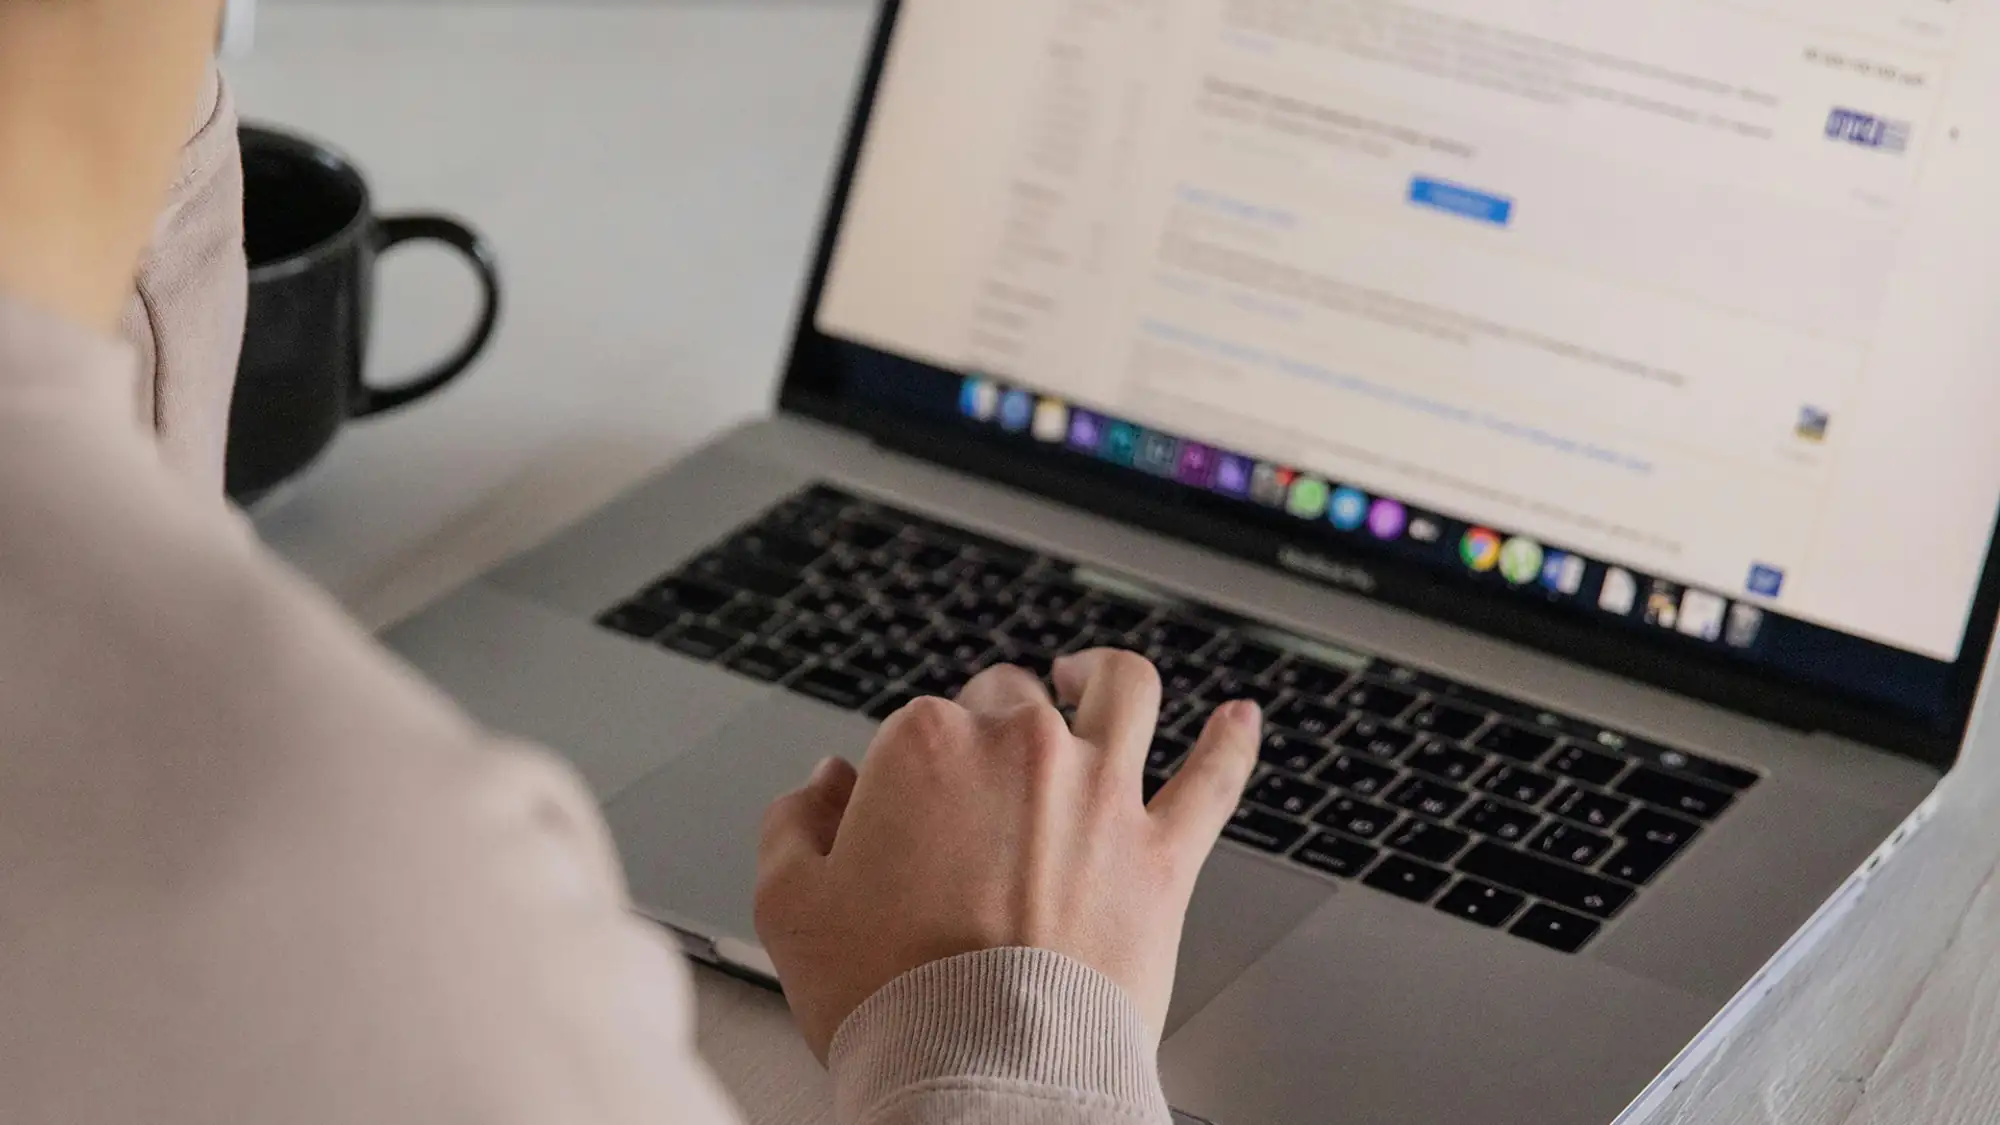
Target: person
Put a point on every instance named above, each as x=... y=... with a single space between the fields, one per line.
x=252 y=870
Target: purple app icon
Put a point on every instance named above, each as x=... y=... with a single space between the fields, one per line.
x=1387 y=519
x=1086 y=431
x=1197 y=465
x=1232 y=475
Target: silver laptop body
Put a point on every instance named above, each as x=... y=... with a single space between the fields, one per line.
x=1303 y=995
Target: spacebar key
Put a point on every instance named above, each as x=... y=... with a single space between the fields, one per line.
x=1564 y=886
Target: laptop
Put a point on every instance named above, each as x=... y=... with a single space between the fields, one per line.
x=1572 y=422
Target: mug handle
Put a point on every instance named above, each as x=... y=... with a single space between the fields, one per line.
x=400 y=229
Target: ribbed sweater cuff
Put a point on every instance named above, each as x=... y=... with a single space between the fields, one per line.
x=1010 y=1015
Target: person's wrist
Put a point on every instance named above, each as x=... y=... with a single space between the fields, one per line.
x=1000 y=1016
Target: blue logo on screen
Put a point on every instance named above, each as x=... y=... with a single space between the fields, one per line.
x=1017 y=410
x=1766 y=581
x=1350 y=509
x=1865 y=130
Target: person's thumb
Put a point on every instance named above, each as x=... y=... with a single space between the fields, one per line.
x=801 y=827
x=1193 y=808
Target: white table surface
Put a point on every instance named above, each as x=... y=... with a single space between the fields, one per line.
x=652 y=176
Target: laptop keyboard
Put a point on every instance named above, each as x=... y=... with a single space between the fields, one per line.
x=1489 y=809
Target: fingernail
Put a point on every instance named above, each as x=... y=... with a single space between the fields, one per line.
x=1246 y=713
x=823 y=773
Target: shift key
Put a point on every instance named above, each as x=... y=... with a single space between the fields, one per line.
x=1560 y=884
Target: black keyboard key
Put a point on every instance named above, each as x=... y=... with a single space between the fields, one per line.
x=895 y=624
x=938 y=680
x=1406 y=878
x=1518 y=743
x=1173 y=634
x=1572 y=844
x=1376 y=738
x=699 y=642
x=1455 y=723
x=1541 y=878
x=1689 y=797
x=1336 y=856
x=928 y=557
x=1308 y=718
x=1286 y=794
x=832 y=603
x=756 y=578
x=978 y=612
x=885 y=662
x=1364 y=777
x=689 y=596
x=890 y=704
x=1114 y=615
x=1312 y=681
x=1054 y=596
x=865 y=536
x=750 y=616
x=1229 y=686
x=911 y=591
x=1246 y=657
x=1433 y=799
x=1519 y=784
x=1180 y=712
x=1638 y=862
x=1167 y=752
x=1585 y=764
x=1378 y=699
x=643 y=622
x=1507 y=823
x=1429 y=842
x=1040 y=631
x=1657 y=828
x=1356 y=817
x=1589 y=807
x=819 y=639
x=1040 y=662
x=765 y=662
x=1482 y=903
x=1265 y=831
x=1442 y=759
x=837 y=686
x=1180 y=676
x=1558 y=929
x=956 y=646
x=780 y=549
x=1153 y=784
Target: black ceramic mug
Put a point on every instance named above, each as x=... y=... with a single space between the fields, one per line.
x=313 y=238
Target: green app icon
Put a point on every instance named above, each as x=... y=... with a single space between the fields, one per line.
x=1521 y=561
x=1310 y=496
x=1121 y=443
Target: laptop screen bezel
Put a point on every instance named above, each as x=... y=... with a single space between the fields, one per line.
x=813 y=386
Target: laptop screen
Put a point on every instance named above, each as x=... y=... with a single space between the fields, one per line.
x=1680 y=316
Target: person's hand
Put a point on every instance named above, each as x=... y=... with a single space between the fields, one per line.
x=989 y=823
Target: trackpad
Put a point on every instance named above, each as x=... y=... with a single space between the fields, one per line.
x=1243 y=907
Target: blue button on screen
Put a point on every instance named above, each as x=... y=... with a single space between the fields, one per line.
x=1464 y=202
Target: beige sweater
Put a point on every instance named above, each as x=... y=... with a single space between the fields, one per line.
x=253 y=871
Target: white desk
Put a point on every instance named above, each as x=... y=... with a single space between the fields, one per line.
x=652 y=176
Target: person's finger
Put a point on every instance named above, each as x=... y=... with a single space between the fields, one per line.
x=801 y=827
x=1194 y=807
x=1117 y=700
x=1002 y=690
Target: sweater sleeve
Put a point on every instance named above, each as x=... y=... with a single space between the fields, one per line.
x=1005 y=1037
x=186 y=315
